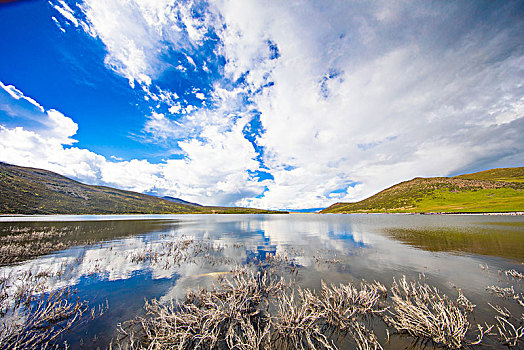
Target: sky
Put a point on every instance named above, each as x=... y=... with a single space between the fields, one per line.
x=260 y=103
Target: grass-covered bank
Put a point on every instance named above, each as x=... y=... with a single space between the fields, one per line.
x=497 y=190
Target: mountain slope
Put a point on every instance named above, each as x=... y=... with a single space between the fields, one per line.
x=496 y=190
x=180 y=201
x=36 y=191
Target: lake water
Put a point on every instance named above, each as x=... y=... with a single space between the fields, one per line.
x=107 y=256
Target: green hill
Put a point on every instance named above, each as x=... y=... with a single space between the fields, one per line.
x=36 y=191
x=496 y=190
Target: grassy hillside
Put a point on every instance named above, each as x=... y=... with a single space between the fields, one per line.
x=36 y=191
x=501 y=174
x=496 y=190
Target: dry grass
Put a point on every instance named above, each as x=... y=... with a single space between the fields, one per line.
x=233 y=316
x=298 y=325
x=169 y=254
x=507 y=293
x=514 y=274
x=21 y=245
x=34 y=319
x=422 y=311
x=510 y=328
x=347 y=308
x=343 y=309
x=42 y=321
x=257 y=309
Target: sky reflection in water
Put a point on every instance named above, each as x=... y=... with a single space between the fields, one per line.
x=448 y=250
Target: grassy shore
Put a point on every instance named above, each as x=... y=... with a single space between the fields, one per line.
x=497 y=190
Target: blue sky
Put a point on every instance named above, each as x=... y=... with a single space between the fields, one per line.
x=261 y=103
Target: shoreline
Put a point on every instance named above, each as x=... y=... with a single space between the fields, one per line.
x=506 y=213
x=137 y=216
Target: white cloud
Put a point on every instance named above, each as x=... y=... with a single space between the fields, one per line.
x=17 y=95
x=213 y=171
x=417 y=111
x=174 y=109
x=368 y=93
x=66 y=11
x=136 y=33
x=200 y=96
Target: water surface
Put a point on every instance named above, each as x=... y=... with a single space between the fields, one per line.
x=104 y=259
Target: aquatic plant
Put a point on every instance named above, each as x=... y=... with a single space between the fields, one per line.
x=422 y=311
x=510 y=328
x=257 y=306
x=231 y=316
x=339 y=309
x=33 y=318
x=514 y=273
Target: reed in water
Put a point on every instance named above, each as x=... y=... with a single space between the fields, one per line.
x=255 y=307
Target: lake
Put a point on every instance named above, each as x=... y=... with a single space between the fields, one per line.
x=121 y=261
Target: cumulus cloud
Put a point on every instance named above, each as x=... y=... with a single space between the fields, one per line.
x=45 y=140
x=408 y=109
x=214 y=169
x=349 y=97
x=137 y=33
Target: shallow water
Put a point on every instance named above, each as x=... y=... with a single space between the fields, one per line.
x=452 y=251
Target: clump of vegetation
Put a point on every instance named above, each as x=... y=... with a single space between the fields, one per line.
x=298 y=325
x=32 y=318
x=237 y=315
x=422 y=311
x=19 y=243
x=256 y=307
x=507 y=293
x=510 y=327
x=343 y=309
x=514 y=274
x=232 y=316
x=259 y=310
x=260 y=306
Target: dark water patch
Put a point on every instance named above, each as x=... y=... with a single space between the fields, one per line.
x=500 y=242
x=22 y=241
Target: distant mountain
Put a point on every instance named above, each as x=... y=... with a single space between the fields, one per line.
x=496 y=190
x=304 y=211
x=36 y=191
x=180 y=201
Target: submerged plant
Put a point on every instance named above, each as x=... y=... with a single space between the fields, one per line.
x=31 y=317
